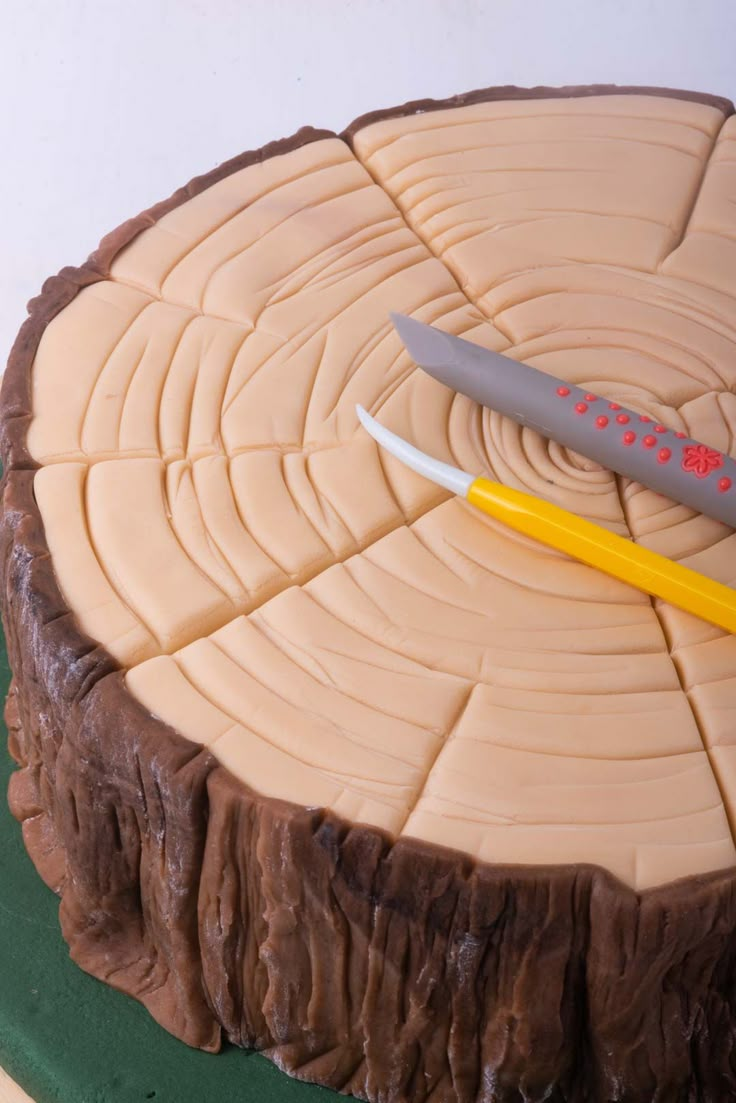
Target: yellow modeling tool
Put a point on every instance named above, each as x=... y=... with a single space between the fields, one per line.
x=583 y=540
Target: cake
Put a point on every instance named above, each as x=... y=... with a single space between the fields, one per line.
x=319 y=759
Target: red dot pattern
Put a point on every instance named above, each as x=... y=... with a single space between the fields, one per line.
x=664 y=455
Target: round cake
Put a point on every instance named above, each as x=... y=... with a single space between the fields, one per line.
x=319 y=759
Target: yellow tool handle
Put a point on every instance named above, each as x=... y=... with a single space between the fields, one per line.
x=592 y=544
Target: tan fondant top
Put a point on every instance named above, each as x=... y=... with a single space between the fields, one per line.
x=335 y=629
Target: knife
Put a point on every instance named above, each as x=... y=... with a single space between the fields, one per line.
x=622 y=440
x=583 y=540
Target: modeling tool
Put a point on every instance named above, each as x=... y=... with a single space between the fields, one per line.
x=583 y=540
x=622 y=440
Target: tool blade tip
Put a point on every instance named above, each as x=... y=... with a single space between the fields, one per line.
x=427 y=346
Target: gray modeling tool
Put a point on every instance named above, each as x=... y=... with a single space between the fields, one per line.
x=631 y=444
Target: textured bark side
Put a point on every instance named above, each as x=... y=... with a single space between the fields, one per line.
x=661 y=973
x=133 y=821
x=407 y=973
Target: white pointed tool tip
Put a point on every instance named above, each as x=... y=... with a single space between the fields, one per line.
x=452 y=478
x=364 y=417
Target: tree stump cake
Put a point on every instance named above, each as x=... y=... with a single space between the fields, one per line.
x=319 y=759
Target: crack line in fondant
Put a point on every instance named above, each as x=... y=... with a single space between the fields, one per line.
x=687 y=219
x=93 y=392
x=214 y=229
x=85 y=513
x=438 y=754
x=672 y=651
x=308 y=206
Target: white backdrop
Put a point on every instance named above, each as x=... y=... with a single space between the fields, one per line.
x=108 y=105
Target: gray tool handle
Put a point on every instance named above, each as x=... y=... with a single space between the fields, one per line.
x=631 y=444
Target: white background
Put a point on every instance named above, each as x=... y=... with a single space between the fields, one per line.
x=106 y=107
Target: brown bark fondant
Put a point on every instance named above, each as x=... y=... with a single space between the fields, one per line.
x=396 y=972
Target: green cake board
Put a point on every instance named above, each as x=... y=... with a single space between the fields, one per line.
x=67 y=1038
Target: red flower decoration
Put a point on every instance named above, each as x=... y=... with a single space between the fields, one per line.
x=701 y=460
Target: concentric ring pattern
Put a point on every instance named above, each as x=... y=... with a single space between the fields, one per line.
x=332 y=627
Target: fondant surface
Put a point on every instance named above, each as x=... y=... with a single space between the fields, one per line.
x=331 y=627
